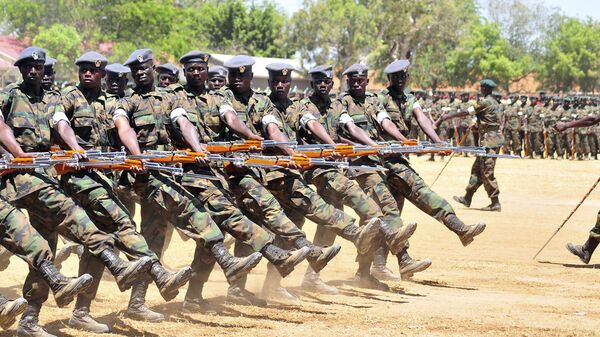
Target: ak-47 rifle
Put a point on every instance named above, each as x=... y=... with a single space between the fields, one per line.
x=190 y=157
x=245 y=146
x=306 y=162
x=349 y=151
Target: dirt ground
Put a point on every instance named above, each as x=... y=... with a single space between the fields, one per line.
x=491 y=288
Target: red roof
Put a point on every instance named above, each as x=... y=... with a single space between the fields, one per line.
x=10 y=48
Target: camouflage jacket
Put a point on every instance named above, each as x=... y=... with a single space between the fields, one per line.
x=323 y=111
x=29 y=119
x=400 y=109
x=488 y=123
x=149 y=116
x=89 y=118
x=534 y=120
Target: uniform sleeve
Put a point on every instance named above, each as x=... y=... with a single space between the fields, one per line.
x=381 y=113
x=123 y=108
x=3 y=104
x=61 y=114
x=270 y=117
x=224 y=105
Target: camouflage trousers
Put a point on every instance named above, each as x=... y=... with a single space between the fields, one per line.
x=52 y=212
x=566 y=139
x=595 y=232
x=513 y=140
x=338 y=190
x=20 y=238
x=482 y=173
x=96 y=193
x=536 y=143
x=582 y=144
x=375 y=186
x=555 y=144
x=405 y=183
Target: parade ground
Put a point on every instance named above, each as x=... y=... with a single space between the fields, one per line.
x=490 y=288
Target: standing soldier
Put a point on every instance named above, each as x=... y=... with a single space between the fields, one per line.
x=565 y=117
x=217 y=77
x=534 y=122
x=488 y=124
x=523 y=124
x=465 y=123
x=511 y=124
x=553 y=116
x=585 y=251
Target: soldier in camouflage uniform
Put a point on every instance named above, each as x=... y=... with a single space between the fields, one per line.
x=566 y=115
x=510 y=123
x=286 y=184
x=534 y=122
x=585 y=251
x=488 y=124
x=310 y=123
x=26 y=116
x=142 y=123
x=167 y=75
x=582 y=134
x=49 y=74
x=405 y=182
x=84 y=125
x=196 y=103
x=554 y=139
x=465 y=123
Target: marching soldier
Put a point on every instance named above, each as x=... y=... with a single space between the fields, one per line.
x=488 y=124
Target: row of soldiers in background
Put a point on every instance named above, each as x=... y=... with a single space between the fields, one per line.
x=526 y=123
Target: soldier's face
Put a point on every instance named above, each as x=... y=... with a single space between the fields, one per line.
x=451 y=96
x=239 y=82
x=48 y=78
x=165 y=80
x=464 y=98
x=142 y=73
x=115 y=84
x=216 y=82
x=90 y=77
x=398 y=80
x=280 y=86
x=32 y=72
x=357 y=85
x=322 y=86
x=196 y=74
x=533 y=101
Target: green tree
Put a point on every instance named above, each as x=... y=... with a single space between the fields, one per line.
x=63 y=43
x=572 y=56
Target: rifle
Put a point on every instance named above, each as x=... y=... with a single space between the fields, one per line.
x=349 y=151
x=190 y=157
x=245 y=145
x=305 y=162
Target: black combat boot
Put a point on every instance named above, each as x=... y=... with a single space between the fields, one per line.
x=28 y=324
x=408 y=266
x=379 y=269
x=9 y=310
x=466 y=200
x=395 y=239
x=64 y=288
x=363 y=277
x=494 y=206
x=237 y=294
x=363 y=236
x=273 y=291
x=465 y=233
x=284 y=260
x=312 y=282
x=232 y=266
x=126 y=273
x=584 y=252
x=137 y=308
x=168 y=282
x=318 y=257
x=194 y=302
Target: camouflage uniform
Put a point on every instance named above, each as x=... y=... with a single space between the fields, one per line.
x=405 y=183
x=464 y=126
x=482 y=172
x=554 y=139
x=534 y=121
x=218 y=202
x=287 y=185
x=331 y=184
x=51 y=211
x=162 y=198
x=511 y=128
x=94 y=130
x=566 y=137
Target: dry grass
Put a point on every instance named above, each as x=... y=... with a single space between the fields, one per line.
x=491 y=288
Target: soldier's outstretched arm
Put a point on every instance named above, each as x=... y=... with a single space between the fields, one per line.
x=579 y=123
x=359 y=134
x=275 y=134
x=237 y=126
x=127 y=135
x=68 y=135
x=190 y=134
x=319 y=131
x=426 y=125
x=7 y=138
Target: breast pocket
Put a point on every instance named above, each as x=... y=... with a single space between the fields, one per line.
x=84 y=126
x=24 y=130
x=144 y=124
